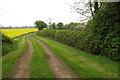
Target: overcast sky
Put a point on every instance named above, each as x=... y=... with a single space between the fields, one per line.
x=26 y=12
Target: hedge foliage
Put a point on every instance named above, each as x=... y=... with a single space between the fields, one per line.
x=85 y=41
x=105 y=28
x=8 y=44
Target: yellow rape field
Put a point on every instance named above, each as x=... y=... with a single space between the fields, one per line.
x=12 y=33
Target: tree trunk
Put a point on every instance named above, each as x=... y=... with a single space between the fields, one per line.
x=96 y=6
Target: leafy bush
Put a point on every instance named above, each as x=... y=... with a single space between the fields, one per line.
x=8 y=44
x=6 y=40
x=105 y=28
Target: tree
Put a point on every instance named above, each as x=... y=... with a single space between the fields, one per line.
x=40 y=24
x=49 y=20
x=86 y=8
x=95 y=7
x=72 y=25
x=60 y=24
x=53 y=25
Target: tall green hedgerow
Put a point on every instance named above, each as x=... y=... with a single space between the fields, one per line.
x=85 y=41
x=78 y=39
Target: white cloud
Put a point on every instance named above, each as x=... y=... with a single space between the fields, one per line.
x=26 y=12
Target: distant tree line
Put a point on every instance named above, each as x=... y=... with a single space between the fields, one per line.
x=72 y=26
x=15 y=27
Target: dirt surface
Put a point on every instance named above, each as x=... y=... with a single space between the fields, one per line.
x=58 y=66
x=22 y=67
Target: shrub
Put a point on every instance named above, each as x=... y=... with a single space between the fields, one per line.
x=8 y=44
x=105 y=28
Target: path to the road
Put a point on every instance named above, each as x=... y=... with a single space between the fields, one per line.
x=22 y=67
x=58 y=66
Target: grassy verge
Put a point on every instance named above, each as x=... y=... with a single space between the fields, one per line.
x=84 y=64
x=39 y=64
x=9 y=60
